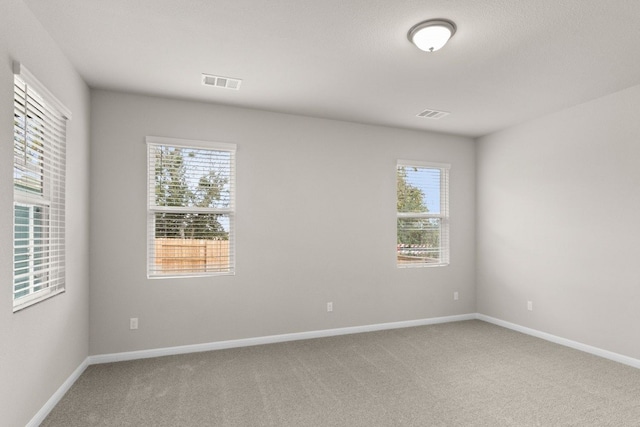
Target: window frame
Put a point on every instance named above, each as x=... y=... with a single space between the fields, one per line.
x=152 y=209
x=32 y=98
x=443 y=215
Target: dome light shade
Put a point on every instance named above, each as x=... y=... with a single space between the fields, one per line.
x=432 y=35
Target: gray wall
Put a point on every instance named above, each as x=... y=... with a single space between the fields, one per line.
x=43 y=344
x=315 y=223
x=559 y=223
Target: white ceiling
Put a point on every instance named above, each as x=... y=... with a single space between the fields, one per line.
x=510 y=60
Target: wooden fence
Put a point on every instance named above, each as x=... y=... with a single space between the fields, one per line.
x=191 y=255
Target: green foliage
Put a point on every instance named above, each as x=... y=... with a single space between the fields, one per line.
x=171 y=183
x=410 y=198
x=413 y=232
x=172 y=189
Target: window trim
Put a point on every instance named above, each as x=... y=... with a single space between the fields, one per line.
x=230 y=211
x=52 y=198
x=40 y=89
x=444 y=215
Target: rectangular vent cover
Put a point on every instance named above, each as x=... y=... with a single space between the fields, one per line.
x=221 y=82
x=433 y=114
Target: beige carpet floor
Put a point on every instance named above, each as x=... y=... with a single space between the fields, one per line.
x=458 y=374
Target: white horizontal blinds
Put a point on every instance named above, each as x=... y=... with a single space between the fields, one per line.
x=423 y=214
x=444 y=230
x=191 y=208
x=39 y=193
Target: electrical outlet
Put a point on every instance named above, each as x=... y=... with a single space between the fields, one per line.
x=530 y=305
x=329 y=307
x=133 y=323
x=455 y=296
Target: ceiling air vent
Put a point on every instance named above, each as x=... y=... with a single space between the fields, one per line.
x=221 y=82
x=433 y=114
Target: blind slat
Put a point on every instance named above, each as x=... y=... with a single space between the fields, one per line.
x=39 y=195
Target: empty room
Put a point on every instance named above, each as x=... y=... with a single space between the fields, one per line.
x=319 y=213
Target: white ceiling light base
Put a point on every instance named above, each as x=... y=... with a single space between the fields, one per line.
x=431 y=35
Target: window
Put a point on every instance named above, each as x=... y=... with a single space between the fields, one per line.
x=190 y=218
x=39 y=144
x=423 y=214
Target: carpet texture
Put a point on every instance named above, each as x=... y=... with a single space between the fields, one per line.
x=468 y=373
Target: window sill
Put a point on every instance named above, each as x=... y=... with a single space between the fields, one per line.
x=28 y=301
x=423 y=265
x=189 y=275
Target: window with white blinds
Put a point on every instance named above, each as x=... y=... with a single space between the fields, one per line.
x=39 y=153
x=422 y=214
x=191 y=208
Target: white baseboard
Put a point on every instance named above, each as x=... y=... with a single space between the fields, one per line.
x=626 y=360
x=219 y=345
x=55 y=398
x=271 y=339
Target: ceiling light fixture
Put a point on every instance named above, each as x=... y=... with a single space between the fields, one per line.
x=431 y=35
